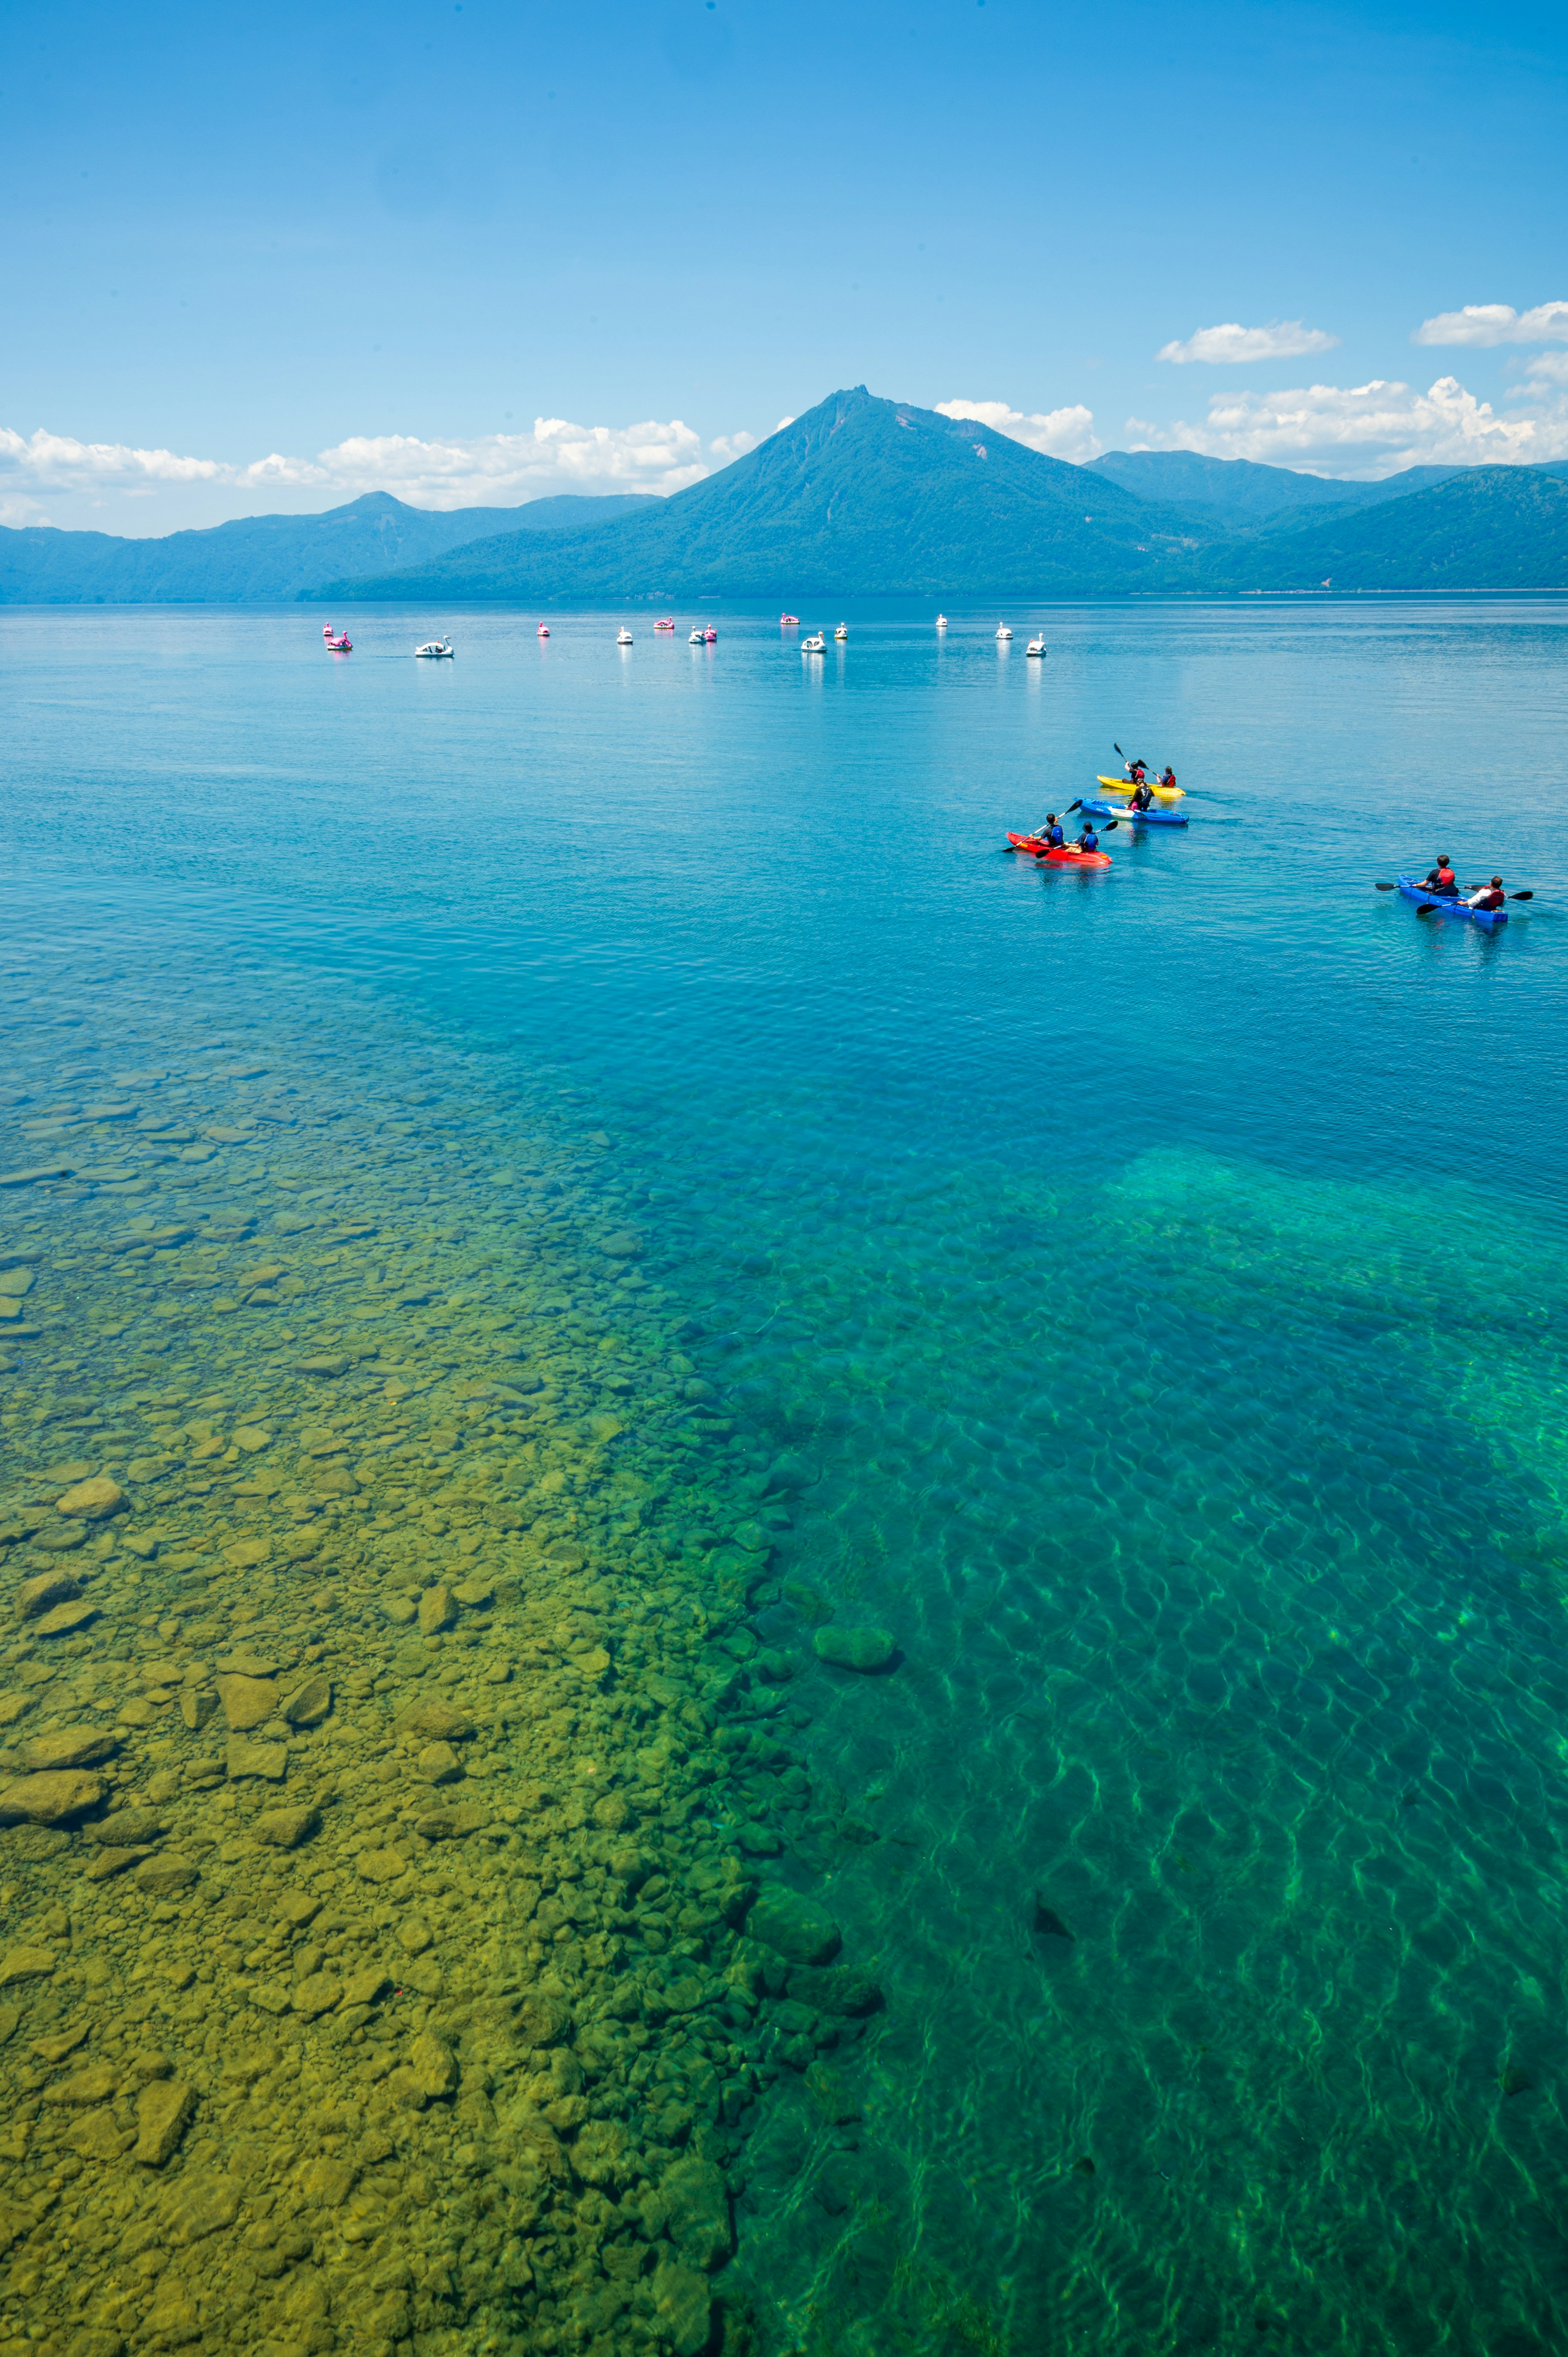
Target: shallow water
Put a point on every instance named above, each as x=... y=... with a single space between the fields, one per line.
x=1138 y=1293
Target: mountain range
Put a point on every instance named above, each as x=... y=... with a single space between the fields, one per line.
x=861 y=497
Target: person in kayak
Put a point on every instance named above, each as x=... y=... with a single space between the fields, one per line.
x=1137 y=772
x=1050 y=834
x=1088 y=840
x=1141 y=797
x=1491 y=896
x=1439 y=880
x=1167 y=778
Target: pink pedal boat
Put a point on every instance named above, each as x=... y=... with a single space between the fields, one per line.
x=543 y=630
x=340 y=645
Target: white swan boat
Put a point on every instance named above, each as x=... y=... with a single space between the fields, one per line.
x=437 y=648
x=843 y=631
x=816 y=645
x=1036 y=647
x=1003 y=632
x=623 y=638
x=699 y=637
x=941 y=621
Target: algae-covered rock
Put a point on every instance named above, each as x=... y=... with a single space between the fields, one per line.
x=682 y=2306
x=27 y=1964
x=51 y=1798
x=244 y=1758
x=380 y=1866
x=70 y=1747
x=46 y=1588
x=95 y=2084
x=308 y=1705
x=247 y=1702
x=854 y=1649
x=162 y=1876
x=128 y=1828
x=201 y=2205
x=781 y=1918
x=286 y=1828
x=164 y=2112
x=441 y=1721
x=436 y=1610
x=98 y=2137
x=317 y=1994
x=64 y=1620
x=694 y=2200
x=92 y=1500
x=435 y=2070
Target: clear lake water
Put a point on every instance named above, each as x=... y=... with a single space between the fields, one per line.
x=564 y=1175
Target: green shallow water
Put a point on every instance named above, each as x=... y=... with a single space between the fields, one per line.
x=1142 y=1298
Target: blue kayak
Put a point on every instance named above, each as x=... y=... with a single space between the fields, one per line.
x=1132 y=817
x=1490 y=917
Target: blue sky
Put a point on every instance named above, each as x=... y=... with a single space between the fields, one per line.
x=266 y=260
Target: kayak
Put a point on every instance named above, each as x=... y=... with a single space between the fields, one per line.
x=1065 y=857
x=1131 y=817
x=1161 y=793
x=1488 y=918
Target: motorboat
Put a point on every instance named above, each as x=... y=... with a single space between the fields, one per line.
x=1036 y=647
x=816 y=645
x=437 y=648
x=1003 y=632
x=667 y=624
x=710 y=636
x=339 y=644
x=941 y=621
x=843 y=631
x=623 y=637
x=788 y=621
x=699 y=637
x=543 y=630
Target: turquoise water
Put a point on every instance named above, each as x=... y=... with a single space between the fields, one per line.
x=1150 y=1284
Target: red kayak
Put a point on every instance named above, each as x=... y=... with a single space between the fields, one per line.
x=1065 y=857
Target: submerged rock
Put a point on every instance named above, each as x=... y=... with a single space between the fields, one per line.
x=781 y=1918
x=50 y=1798
x=854 y=1649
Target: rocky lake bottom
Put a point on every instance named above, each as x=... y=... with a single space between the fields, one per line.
x=394 y=1790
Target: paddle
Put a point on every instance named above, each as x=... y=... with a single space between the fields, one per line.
x=1472 y=888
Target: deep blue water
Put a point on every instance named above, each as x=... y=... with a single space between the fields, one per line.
x=1160 y=1275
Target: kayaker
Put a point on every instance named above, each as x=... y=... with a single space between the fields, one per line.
x=1491 y=896
x=1050 y=834
x=1088 y=840
x=1137 y=772
x=1439 y=880
x=1168 y=778
x=1141 y=797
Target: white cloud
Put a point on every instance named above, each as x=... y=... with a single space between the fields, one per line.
x=1366 y=430
x=1059 y=433
x=1282 y=339
x=1483 y=324
x=1543 y=371
x=57 y=459
x=487 y=469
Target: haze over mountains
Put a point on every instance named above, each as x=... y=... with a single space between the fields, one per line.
x=860 y=497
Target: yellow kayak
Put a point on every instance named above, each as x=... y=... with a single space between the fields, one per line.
x=1161 y=793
